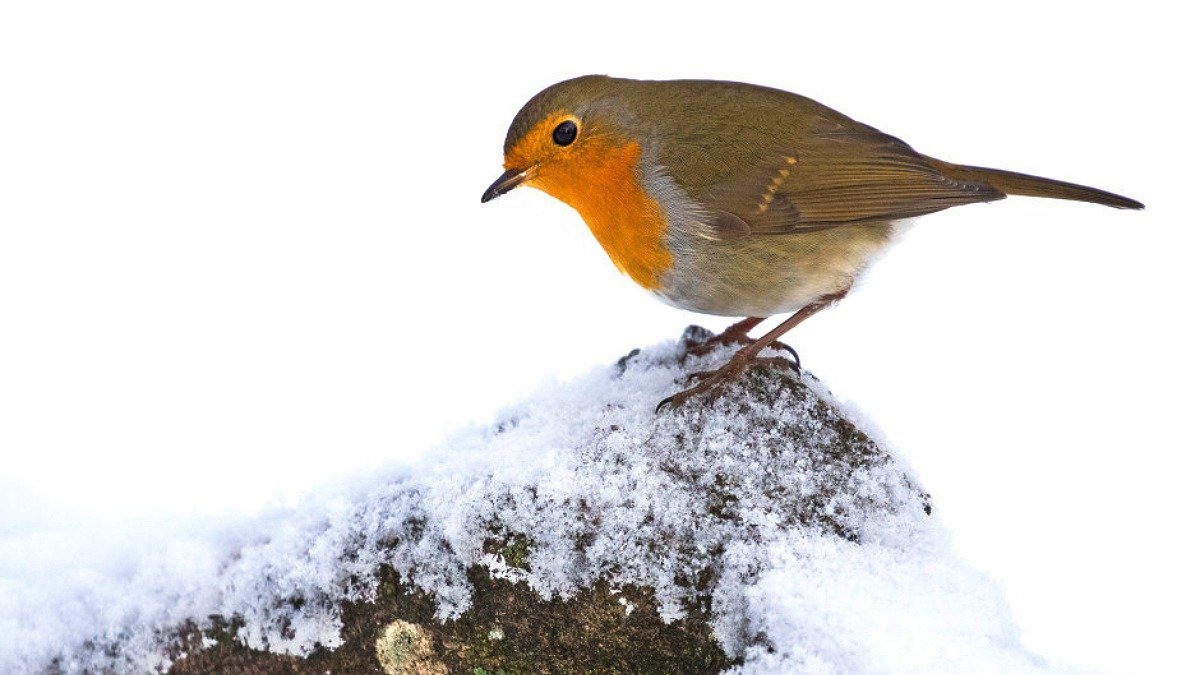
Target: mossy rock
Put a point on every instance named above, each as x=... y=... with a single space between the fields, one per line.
x=509 y=630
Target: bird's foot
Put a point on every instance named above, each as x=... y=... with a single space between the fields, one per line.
x=707 y=380
x=698 y=341
x=748 y=354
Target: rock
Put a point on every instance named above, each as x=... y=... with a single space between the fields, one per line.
x=759 y=531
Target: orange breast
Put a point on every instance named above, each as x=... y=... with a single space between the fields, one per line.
x=599 y=180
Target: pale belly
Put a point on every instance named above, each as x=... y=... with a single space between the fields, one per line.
x=762 y=275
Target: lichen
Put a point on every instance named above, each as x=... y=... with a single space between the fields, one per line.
x=405 y=648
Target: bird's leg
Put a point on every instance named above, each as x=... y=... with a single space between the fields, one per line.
x=737 y=334
x=744 y=356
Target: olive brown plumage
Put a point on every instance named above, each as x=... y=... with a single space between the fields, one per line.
x=735 y=199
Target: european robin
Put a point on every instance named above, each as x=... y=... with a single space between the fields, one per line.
x=735 y=199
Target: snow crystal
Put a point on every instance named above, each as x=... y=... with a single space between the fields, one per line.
x=815 y=545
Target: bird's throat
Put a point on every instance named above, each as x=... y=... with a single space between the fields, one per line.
x=601 y=182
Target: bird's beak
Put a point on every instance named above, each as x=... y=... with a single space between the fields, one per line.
x=507 y=181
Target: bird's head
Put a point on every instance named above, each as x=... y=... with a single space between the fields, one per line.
x=567 y=140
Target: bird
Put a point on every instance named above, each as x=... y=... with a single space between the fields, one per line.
x=735 y=199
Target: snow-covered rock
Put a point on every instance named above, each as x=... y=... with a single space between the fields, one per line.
x=767 y=530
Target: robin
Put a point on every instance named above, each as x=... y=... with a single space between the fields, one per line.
x=735 y=199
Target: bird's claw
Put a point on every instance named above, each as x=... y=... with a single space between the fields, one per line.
x=663 y=403
x=699 y=345
x=677 y=399
x=712 y=379
x=794 y=363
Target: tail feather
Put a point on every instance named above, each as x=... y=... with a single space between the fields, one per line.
x=1013 y=183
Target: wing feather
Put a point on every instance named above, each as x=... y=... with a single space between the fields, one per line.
x=838 y=173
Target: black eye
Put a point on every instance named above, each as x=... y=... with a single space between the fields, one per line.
x=564 y=134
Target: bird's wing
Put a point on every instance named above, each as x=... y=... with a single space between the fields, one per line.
x=836 y=173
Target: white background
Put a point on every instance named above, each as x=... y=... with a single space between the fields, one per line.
x=242 y=253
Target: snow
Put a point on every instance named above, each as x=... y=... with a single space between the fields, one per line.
x=825 y=558
x=259 y=254
x=877 y=609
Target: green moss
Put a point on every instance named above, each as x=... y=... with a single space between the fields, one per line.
x=509 y=630
x=516 y=552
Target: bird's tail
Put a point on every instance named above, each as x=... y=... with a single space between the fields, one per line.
x=1013 y=183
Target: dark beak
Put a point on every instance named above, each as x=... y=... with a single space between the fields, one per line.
x=507 y=181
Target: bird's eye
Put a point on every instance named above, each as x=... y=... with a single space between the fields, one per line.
x=564 y=134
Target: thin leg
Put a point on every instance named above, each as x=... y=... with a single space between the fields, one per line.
x=739 y=333
x=741 y=328
x=744 y=356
